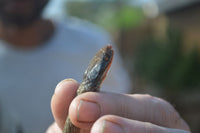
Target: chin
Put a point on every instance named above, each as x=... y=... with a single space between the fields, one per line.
x=18 y=21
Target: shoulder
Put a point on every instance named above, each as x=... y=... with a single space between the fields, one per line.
x=81 y=31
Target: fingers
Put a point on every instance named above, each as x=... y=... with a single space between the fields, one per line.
x=87 y=108
x=64 y=93
x=115 y=124
x=54 y=129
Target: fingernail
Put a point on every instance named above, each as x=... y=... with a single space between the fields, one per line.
x=111 y=127
x=65 y=81
x=88 y=111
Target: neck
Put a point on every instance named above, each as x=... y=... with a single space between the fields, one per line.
x=27 y=37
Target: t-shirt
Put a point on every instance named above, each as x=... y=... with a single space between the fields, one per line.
x=8 y=121
x=28 y=78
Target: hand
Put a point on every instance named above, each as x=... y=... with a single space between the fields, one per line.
x=113 y=113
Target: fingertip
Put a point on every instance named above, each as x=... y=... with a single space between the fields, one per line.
x=98 y=126
x=66 y=83
x=108 y=124
x=53 y=128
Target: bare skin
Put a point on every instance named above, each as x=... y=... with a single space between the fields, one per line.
x=134 y=113
x=28 y=37
x=21 y=24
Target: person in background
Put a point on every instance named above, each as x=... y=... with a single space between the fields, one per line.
x=9 y=123
x=36 y=53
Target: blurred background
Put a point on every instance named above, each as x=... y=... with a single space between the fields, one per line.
x=159 y=41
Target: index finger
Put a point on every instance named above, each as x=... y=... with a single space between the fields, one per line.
x=87 y=108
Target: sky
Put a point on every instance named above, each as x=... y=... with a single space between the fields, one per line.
x=55 y=8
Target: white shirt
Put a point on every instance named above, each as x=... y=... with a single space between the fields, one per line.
x=28 y=78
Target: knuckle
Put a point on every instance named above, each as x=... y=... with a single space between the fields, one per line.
x=106 y=117
x=148 y=97
x=162 y=110
x=168 y=114
x=175 y=118
x=123 y=108
x=163 y=113
x=149 y=128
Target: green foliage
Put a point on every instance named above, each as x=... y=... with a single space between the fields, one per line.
x=111 y=15
x=128 y=17
x=164 y=63
x=84 y=9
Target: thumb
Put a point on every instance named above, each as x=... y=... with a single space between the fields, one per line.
x=64 y=93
